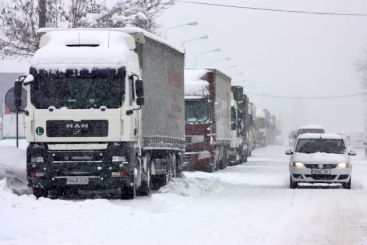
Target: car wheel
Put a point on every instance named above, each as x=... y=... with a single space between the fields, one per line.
x=292 y=184
x=348 y=185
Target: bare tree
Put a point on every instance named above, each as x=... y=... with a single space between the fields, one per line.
x=21 y=19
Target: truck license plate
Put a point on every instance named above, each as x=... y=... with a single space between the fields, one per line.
x=77 y=180
x=320 y=171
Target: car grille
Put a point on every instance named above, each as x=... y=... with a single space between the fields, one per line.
x=320 y=166
x=321 y=176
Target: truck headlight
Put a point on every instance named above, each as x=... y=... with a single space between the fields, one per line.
x=36 y=159
x=342 y=165
x=298 y=165
x=118 y=159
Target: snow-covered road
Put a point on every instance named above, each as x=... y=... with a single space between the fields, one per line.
x=245 y=204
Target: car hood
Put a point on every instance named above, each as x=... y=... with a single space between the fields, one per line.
x=319 y=157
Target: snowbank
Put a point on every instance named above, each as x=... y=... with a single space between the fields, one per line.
x=13 y=165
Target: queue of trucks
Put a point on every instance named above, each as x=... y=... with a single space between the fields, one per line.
x=116 y=109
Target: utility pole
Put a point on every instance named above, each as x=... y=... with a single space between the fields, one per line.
x=42 y=14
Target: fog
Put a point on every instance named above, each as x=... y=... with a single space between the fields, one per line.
x=283 y=54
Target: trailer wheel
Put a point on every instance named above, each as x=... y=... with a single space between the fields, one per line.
x=39 y=192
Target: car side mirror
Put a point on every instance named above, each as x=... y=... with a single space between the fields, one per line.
x=352 y=153
x=289 y=152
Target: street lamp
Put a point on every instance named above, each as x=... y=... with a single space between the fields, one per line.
x=227 y=67
x=237 y=74
x=219 y=60
x=193 y=39
x=205 y=52
x=192 y=23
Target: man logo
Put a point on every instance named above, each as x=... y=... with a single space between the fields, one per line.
x=77 y=127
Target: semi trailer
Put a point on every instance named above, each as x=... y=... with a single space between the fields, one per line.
x=207 y=113
x=105 y=111
x=239 y=146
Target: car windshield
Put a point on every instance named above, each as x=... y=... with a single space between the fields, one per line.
x=320 y=145
x=196 y=110
x=93 y=90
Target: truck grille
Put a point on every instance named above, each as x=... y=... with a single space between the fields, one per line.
x=188 y=139
x=69 y=128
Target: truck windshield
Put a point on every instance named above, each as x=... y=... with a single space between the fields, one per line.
x=320 y=145
x=77 y=92
x=310 y=130
x=260 y=122
x=196 y=111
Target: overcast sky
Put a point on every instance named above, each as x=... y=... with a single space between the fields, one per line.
x=282 y=54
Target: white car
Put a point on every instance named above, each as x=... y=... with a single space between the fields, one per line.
x=320 y=158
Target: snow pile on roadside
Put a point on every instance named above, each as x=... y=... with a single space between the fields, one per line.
x=189 y=187
x=13 y=167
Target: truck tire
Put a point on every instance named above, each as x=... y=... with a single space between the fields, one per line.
x=146 y=184
x=348 y=185
x=292 y=184
x=39 y=192
x=128 y=193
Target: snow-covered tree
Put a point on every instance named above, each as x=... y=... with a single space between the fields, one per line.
x=20 y=19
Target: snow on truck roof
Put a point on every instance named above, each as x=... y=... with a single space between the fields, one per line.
x=260 y=113
x=128 y=30
x=320 y=136
x=195 y=83
x=310 y=126
x=76 y=49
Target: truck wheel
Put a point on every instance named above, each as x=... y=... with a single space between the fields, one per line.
x=292 y=184
x=245 y=157
x=348 y=185
x=39 y=192
x=146 y=185
x=128 y=193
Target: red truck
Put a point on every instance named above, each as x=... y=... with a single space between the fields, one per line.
x=207 y=115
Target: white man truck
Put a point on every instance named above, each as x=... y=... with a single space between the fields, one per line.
x=91 y=121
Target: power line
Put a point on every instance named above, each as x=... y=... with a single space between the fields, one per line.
x=273 y=10
x=308 y=97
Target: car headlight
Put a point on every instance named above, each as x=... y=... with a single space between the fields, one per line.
x=298 y=165
x=342 y=165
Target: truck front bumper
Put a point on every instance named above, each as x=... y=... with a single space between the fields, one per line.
x=198 y=161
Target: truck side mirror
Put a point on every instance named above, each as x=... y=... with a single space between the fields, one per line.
x=18 y=87
x=140 y=101
x=139 y=88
